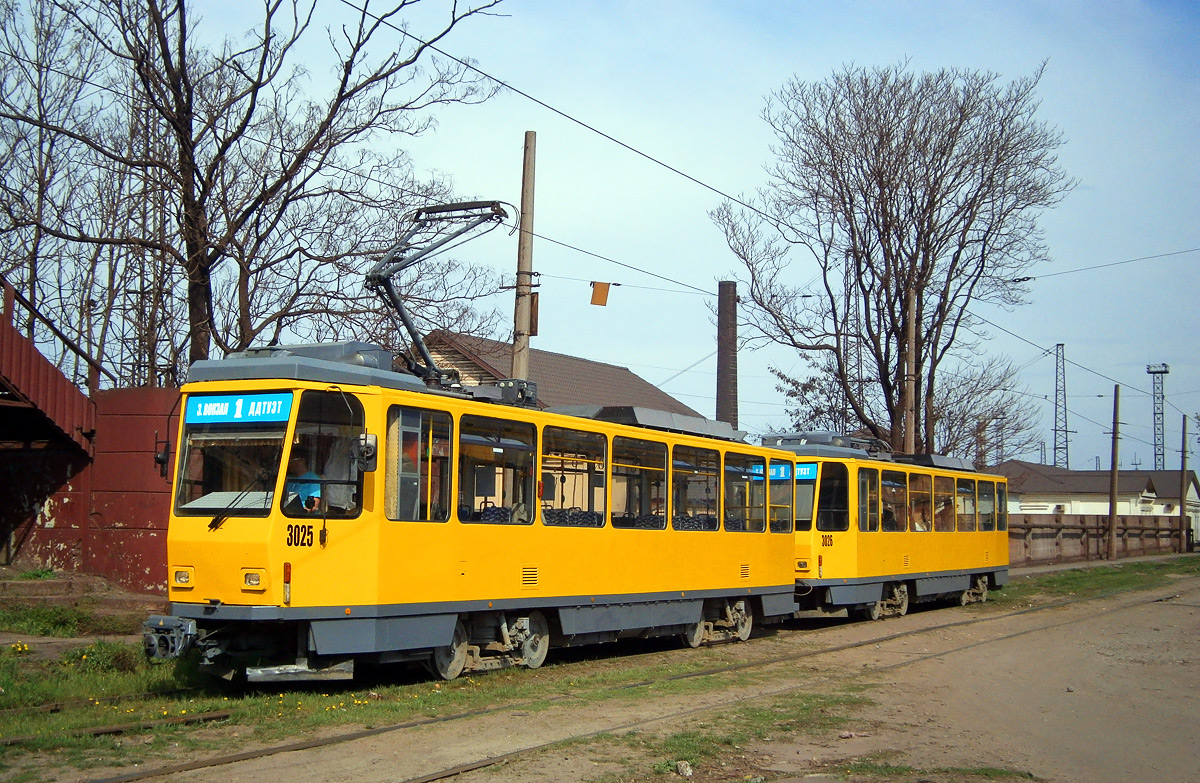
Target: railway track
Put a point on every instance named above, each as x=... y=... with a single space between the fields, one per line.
x=831 y=675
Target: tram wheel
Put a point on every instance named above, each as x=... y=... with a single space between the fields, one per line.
x=694 y=635
x=981 y=588
x=448 y=662
x=900 y=599
x=535 y=648
x=743 y=620
x=871 y=611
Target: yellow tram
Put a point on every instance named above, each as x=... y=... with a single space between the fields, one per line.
x=876 y=532
x=328 y=511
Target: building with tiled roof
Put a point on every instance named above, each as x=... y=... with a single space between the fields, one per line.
x=1045 y=489
x=561 y=380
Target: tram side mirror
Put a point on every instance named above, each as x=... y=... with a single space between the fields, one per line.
x=162 y=454
x=161 y=458
x=364 y=452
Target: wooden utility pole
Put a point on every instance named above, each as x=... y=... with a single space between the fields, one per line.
x=522 y=320
x=1184 y=528
x=1112 y=480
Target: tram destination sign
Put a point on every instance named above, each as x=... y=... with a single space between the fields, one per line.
x=782 y=471
x=238 y=408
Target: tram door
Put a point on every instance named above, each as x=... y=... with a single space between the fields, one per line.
x=799 y=495
x=833 y=543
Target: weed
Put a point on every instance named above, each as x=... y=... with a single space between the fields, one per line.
x=37 y=573
x=104 y=656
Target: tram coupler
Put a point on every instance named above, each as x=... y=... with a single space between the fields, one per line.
x=164 y=636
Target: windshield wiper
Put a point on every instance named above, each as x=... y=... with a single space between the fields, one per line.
x=223 y=514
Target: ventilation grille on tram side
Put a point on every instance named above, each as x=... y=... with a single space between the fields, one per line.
x=745 y=570
x=529 y=576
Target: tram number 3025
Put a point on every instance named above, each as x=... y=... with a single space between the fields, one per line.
x=826 y=540
x=299 y=535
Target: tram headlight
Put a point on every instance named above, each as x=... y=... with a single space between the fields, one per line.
x=254 y=579
x=183 y=577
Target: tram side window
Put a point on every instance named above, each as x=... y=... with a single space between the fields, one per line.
x=943 y=504
x=894 y=501
x=987 y=505
x=639 y=478
x=965 y=504
x=745 y=493
x=573 y=477
x=781 y=493
x=696 y=491
x=920 y=506
x=868 y=499
x=416 y=487
x=833 y=498
x=323 y=475
x=496 y=470
x=1001 y=507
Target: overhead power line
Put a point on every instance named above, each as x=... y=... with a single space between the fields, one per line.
x=570 y=118
x=1106 y=266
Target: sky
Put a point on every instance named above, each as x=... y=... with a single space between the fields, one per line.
x=684 y=83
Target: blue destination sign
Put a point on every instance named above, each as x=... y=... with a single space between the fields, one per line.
x=782 y=471
x=238 y=408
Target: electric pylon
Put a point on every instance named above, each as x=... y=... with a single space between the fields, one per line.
x=1061 y=458
x=1157 y=371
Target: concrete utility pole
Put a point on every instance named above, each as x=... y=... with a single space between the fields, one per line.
x=910 y=372
x=1184 y=527
x=727 y=373
x=1112 y=476
x=522 y=319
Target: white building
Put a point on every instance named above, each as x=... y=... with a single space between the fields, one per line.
x=1044 y=489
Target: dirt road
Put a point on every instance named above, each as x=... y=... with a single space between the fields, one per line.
x=1097 y=692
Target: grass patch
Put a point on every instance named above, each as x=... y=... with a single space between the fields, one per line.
x=726 y=733
x=879 y=767
x=44 y=620
x=37 y=573
x=64 y=621
x=102 y=670
x=1092 y=582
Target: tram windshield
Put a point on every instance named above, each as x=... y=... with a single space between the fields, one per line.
x=232 y=451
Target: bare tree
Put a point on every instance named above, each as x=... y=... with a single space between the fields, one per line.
x=980 y=412
x=916 y=195
x=254 y=205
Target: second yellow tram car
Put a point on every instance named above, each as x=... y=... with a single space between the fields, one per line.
x=876 y=532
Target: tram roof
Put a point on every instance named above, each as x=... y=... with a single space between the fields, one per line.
x=349 y=362
x=653 y=419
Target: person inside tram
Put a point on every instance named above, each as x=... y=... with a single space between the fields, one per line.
x=304 y=484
